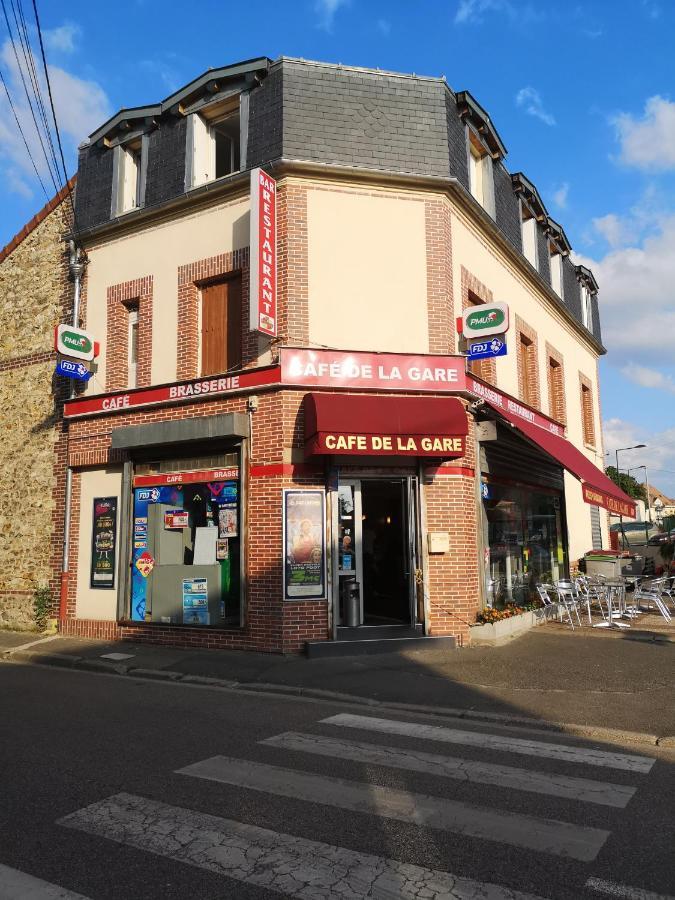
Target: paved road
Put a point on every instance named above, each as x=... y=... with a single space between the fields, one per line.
x=125 y=789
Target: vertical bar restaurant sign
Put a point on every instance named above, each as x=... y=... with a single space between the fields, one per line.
x=263 y=272
x=304 y=545
x=103 y=542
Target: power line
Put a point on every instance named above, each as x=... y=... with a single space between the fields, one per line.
x=51 y=103
x=30 y=155
x=30 y=102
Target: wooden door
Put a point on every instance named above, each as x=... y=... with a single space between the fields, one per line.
x=221 y=327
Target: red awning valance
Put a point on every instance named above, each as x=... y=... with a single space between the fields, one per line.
x=366 y=425
x=597 y=488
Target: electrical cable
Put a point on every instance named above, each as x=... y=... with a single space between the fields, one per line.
x=22 y=31
x=18 y=123
x=51 y=103
x=30 y=102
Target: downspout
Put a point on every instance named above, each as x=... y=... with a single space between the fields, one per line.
x=76 y=267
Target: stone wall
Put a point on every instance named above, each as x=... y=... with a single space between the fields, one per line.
x=34 y=296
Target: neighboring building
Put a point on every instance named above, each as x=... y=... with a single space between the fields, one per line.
x=35 y=296
x=660 y=506
x=395 y=212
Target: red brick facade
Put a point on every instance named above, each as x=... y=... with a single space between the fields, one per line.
x=120 y=299
x=555 y=373
x=528 y=364
x=475 y=293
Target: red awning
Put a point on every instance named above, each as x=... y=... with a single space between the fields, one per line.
x=597 y=488
x=367 y=425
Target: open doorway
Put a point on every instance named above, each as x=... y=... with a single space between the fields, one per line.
x=375 y=535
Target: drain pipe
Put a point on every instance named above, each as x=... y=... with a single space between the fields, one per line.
x=76 y=268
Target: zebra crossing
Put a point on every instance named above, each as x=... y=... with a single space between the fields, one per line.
x=295 y=866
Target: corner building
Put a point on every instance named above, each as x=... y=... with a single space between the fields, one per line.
x=350 y=477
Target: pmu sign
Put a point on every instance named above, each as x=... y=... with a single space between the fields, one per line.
x=74 y=342
x=485 y=320
x=263 y=272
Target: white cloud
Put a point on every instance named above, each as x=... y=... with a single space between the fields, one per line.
x=63 y=38
x=652 y=8
x=648 y=378
x=529 y=99
x=616 y=230
x=384 y=27
x=326 y=11
x=637 y=300
x=472 y=12
x=16 y=183
x=648 y=143
x=560 y=196
x=658 y=455
x=80 y=106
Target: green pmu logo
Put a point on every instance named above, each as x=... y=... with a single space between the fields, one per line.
x=486 y=319
x=76 y=341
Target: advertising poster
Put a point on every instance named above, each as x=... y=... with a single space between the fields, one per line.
x=176 y=518
x=195 y=601
x=227 y=520
x=304 y=545
x=222 y=549
x=104 y=531
x=144 y=497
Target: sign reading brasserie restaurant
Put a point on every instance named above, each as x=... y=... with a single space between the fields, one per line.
x=263 y=243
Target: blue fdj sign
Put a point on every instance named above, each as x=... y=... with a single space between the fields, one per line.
x=486 y=349
x=70 y=369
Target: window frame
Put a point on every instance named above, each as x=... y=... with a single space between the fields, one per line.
x=587 y=412
x=586 y=307
x=202 y=122
x=133 y=331
x=529 y=220
x=127 y=154
x=555 y=254
x=480 y=163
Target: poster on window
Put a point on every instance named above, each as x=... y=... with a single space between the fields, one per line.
x=227 y=520
x=304 y=545
x=195 y=601
x=104 y=531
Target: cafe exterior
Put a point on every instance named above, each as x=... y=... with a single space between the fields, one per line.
x=283 y=443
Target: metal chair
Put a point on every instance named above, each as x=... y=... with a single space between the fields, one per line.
x=652 y=594
x=568 y=596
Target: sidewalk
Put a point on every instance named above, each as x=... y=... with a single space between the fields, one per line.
x=623 y=681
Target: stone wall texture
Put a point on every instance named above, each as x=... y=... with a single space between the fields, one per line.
x=34 y=296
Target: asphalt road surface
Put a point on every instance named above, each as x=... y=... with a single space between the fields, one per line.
x=125 y=789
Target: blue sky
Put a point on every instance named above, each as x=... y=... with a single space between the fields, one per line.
x=583 y=96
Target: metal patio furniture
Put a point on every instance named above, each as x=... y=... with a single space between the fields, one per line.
x=569 y=597
x=544 y=591
x=651 y=594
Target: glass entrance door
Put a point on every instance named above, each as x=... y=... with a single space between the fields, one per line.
x=374 y=532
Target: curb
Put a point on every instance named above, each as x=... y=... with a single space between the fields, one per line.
x=506 y=720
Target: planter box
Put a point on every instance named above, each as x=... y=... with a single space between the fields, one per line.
x=498 y=632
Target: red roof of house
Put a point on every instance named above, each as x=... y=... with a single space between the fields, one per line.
x=29 y=227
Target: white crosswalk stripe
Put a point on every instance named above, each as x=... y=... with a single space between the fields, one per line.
x=534 y=833
x=292 y=866
x=445 y=734
x=16 y=885
x=529 y=780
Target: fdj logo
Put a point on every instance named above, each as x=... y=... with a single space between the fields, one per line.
x=152 y=496
x=486 y=319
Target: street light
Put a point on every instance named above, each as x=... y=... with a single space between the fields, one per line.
x=649 y=510
x=616 y=455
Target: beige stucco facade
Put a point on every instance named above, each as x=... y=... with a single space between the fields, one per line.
x=159 y=250
x=367 y=270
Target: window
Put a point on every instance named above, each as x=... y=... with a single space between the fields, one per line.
x=529 y=233
x=214 y=142
x=127 y=177
x=528 y=374
x=586 y=307
x=220 y=328
x=132 y=344
x=556 y=389
x=556 y=261
x=587 y=417
x=480 y=173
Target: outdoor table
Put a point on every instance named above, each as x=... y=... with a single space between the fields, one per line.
x=612 y=585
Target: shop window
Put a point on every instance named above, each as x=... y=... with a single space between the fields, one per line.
x=214 y=135
x=528 y=370
x=480 y=172
x=220 y=327
x=556 y=389
x=587 y=415
x=529 y=235
x=132 y=344
x=186 y=543
x=127 y=177
x=523 y=529
x=556 y=265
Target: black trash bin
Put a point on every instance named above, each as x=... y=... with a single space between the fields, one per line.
x=351 y=601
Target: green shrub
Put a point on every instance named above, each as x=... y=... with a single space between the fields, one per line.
x=42 y=606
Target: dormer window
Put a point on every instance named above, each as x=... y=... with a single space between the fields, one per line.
x=586 y=307
x=215 y=133
x=480 y=172
x=529 y=234
x=127 y=165
x=556 y=265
